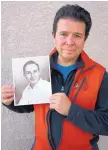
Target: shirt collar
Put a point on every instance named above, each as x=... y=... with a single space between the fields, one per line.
x=53 y=61
x=39 y=84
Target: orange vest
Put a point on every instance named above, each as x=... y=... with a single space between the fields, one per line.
x=73 y=138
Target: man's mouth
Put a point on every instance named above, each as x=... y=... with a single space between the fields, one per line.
x=68 y=51
x=33 y=79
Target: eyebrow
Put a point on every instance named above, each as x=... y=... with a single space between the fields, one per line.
x=74 y=32
x=78 y=33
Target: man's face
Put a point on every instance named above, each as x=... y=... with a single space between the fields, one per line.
x=69 y=39
x=32 y=73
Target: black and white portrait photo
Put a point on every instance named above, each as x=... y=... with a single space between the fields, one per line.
x=32 y=81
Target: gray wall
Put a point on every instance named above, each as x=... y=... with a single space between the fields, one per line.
x=26 y=31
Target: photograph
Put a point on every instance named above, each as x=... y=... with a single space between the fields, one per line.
x=31 y=79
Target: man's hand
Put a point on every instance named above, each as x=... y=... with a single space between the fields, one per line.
x=61 y=103
x=7 y=94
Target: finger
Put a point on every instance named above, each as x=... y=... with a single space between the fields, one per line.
x=52 y=106
x=52 y=102
x=6 y=95
x=7 y=85
x=54 y=97
x=57 y=94
x=8 y=102
x=7 y=90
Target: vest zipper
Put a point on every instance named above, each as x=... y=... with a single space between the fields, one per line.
x=62 y=89
x=76 y=94
x=48 y=119
x=76 y=77
x=49 y=131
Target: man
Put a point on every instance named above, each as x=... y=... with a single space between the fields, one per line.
x=78 y=111
x=38 y=90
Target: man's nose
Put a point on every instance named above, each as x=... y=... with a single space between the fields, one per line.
x=69 y=40
x=32 y=75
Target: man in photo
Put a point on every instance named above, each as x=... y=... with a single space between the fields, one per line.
x=37 y=90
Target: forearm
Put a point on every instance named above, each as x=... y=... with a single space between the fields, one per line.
x=20 y=109
x=92 y=121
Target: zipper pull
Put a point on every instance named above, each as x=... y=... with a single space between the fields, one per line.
x=62 y=89
x=76 y=85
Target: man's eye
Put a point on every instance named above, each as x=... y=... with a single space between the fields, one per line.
x=77 y=36
x=63 y=34
x=27 y=72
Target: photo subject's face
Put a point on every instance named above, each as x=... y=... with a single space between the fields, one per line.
x=69 y=39
x=32 y=73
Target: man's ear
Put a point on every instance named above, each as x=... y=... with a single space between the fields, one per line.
x=53 y=35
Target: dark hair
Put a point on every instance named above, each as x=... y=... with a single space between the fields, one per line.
x=28 y=63
x=74 y=12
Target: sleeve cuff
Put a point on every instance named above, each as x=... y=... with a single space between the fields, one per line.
x=75 y=111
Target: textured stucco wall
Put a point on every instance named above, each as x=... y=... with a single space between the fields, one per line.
x=26 y=31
